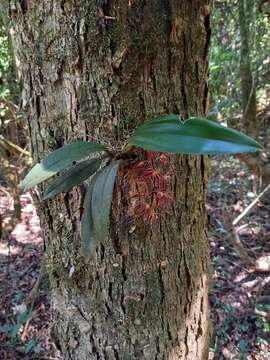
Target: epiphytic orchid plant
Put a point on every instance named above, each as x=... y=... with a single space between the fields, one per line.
x=164 y=134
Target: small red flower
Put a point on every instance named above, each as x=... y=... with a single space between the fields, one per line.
x=141 y=208
x=164 y=159
x=164 y=183
x=147 y=170
x=164 y=200
x=153 y=218
x=151 y=155
x=148 y=188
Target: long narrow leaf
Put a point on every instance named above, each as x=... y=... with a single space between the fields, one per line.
x=72 y=177
x=97 y=206
x=195 y=136
x=88 y=238
x=58 y=160
x=102 y=198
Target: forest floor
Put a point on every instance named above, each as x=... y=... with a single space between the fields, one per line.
x=240 y=295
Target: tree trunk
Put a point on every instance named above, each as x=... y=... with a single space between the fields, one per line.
x=94 y=70
x=248 y=86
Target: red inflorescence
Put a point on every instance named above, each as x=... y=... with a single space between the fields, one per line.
x=149 y=187
x=164 y=200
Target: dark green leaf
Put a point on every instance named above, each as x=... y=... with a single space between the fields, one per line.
x=72 y=177
x=58 y=160
x=195 y=136
x=102 y=199
x=88 y=238
x=97 y=206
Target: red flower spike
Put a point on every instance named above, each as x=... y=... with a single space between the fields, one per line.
x=151 y=177
x=150 y=155
x=153 y=218
x=164 y=159
x=141 y=208
x=147 y=213
x=164 y=182
x=147 y=171
x=147 y=185
x=164 y=200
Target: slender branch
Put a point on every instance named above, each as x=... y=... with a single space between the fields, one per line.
x=250 y=206
x=8 y=145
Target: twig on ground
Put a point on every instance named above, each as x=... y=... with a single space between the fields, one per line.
x=250 y=206
x=242 y=252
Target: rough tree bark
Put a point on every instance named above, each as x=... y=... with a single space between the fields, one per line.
x=94 y=70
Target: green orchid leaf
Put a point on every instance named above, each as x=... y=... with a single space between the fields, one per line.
x=88 y=237
x=59 y=160
x=194 y=136
x=102 y=199
x=72 y=177
x=97 y=207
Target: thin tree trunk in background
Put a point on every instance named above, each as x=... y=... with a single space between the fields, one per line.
x=94 y=70
x=248 y=85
